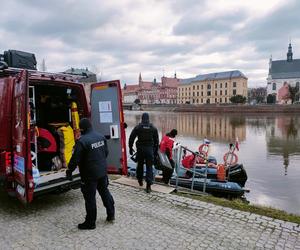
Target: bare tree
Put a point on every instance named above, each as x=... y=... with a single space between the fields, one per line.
x=294 y=91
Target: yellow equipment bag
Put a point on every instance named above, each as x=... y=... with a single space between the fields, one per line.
x=67 y=142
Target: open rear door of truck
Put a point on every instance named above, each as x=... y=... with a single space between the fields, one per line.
x=108 y=119
x=22 y=169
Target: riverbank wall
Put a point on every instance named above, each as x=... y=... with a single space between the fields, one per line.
x=215 y=108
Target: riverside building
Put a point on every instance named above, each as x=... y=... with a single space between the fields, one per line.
x=212 y=88
x=281 y=74
x=164 y=92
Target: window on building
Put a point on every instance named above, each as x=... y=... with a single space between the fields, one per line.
x=274 y=86
x=220 y=102
x=193 y=87
x=193 y=93
x=234 y=92
x=234 y=84
x=201 y=86
x=201 y=93
x=197 y=93
x=225 y=99
x=225 y=84
x=208 y=86
x=198 y=87
x=221 y=92
x=216 y=92
x=208 y=100
x=201 y=100
x=208 y=93
x=216 y=100
x=220 y=85
x=297 y=85
x=225 y=91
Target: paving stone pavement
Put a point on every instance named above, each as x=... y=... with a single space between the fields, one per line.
x=143 y=221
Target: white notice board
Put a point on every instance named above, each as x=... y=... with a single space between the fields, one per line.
x=105 y=112
x=106 y=117
x=105 y=106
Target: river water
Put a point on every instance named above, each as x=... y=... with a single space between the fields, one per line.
x=269 y=148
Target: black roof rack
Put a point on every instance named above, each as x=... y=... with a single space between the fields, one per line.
x=36 y=73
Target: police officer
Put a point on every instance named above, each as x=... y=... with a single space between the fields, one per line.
x=147 y=146
x=90 y=154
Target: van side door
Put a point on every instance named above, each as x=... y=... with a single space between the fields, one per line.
x=22 y=169
x=108 y=119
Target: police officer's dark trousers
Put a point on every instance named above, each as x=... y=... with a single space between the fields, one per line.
x=145 y=155
x=88 y=189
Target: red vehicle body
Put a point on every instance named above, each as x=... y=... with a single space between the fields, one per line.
x=31 y=99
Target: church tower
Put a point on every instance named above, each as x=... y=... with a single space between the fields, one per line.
x=140 y=80
x=290 y=53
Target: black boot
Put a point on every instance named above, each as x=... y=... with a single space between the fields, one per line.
x=86 y=226
x=140 y=183
x=110 y=218
x=148 y=188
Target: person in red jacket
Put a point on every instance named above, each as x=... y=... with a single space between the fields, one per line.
x=166 y=146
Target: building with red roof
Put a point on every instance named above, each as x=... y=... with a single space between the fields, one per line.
x=164 y=92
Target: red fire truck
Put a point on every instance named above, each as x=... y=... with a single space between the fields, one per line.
x=35 y=104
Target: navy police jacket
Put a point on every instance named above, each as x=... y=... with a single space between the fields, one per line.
x=147 y=135
x=90 y=154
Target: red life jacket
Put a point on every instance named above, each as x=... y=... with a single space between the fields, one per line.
x=166 y=143
x=46 y=141
x=188 y=161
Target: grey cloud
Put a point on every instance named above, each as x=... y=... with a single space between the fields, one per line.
x=72 y=25
x=281 y=22
x=194 y=24
x=171 y=49
x=59 y=19
x=271 y=33
x=183 y=6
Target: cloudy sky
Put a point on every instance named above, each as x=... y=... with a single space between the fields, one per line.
x=120 y=38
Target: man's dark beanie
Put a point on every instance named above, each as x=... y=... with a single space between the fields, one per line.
x=145 y=118
x=85 y=124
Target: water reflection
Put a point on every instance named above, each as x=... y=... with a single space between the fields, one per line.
x=281 y=132
x=269 y=148
x=217 y=128
x=283 y=138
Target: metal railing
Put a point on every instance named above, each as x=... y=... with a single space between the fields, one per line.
x=178 y=153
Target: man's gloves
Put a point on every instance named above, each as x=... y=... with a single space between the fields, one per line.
x=131 y=151
x=69 y=175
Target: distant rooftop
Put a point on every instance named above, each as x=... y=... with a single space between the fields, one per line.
x=214 y=76
x=74 y=71
x=282 y=69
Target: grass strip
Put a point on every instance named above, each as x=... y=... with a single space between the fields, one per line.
x=244 y=206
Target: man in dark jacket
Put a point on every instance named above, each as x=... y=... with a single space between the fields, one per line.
x=147 y=146
x=90 y=154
